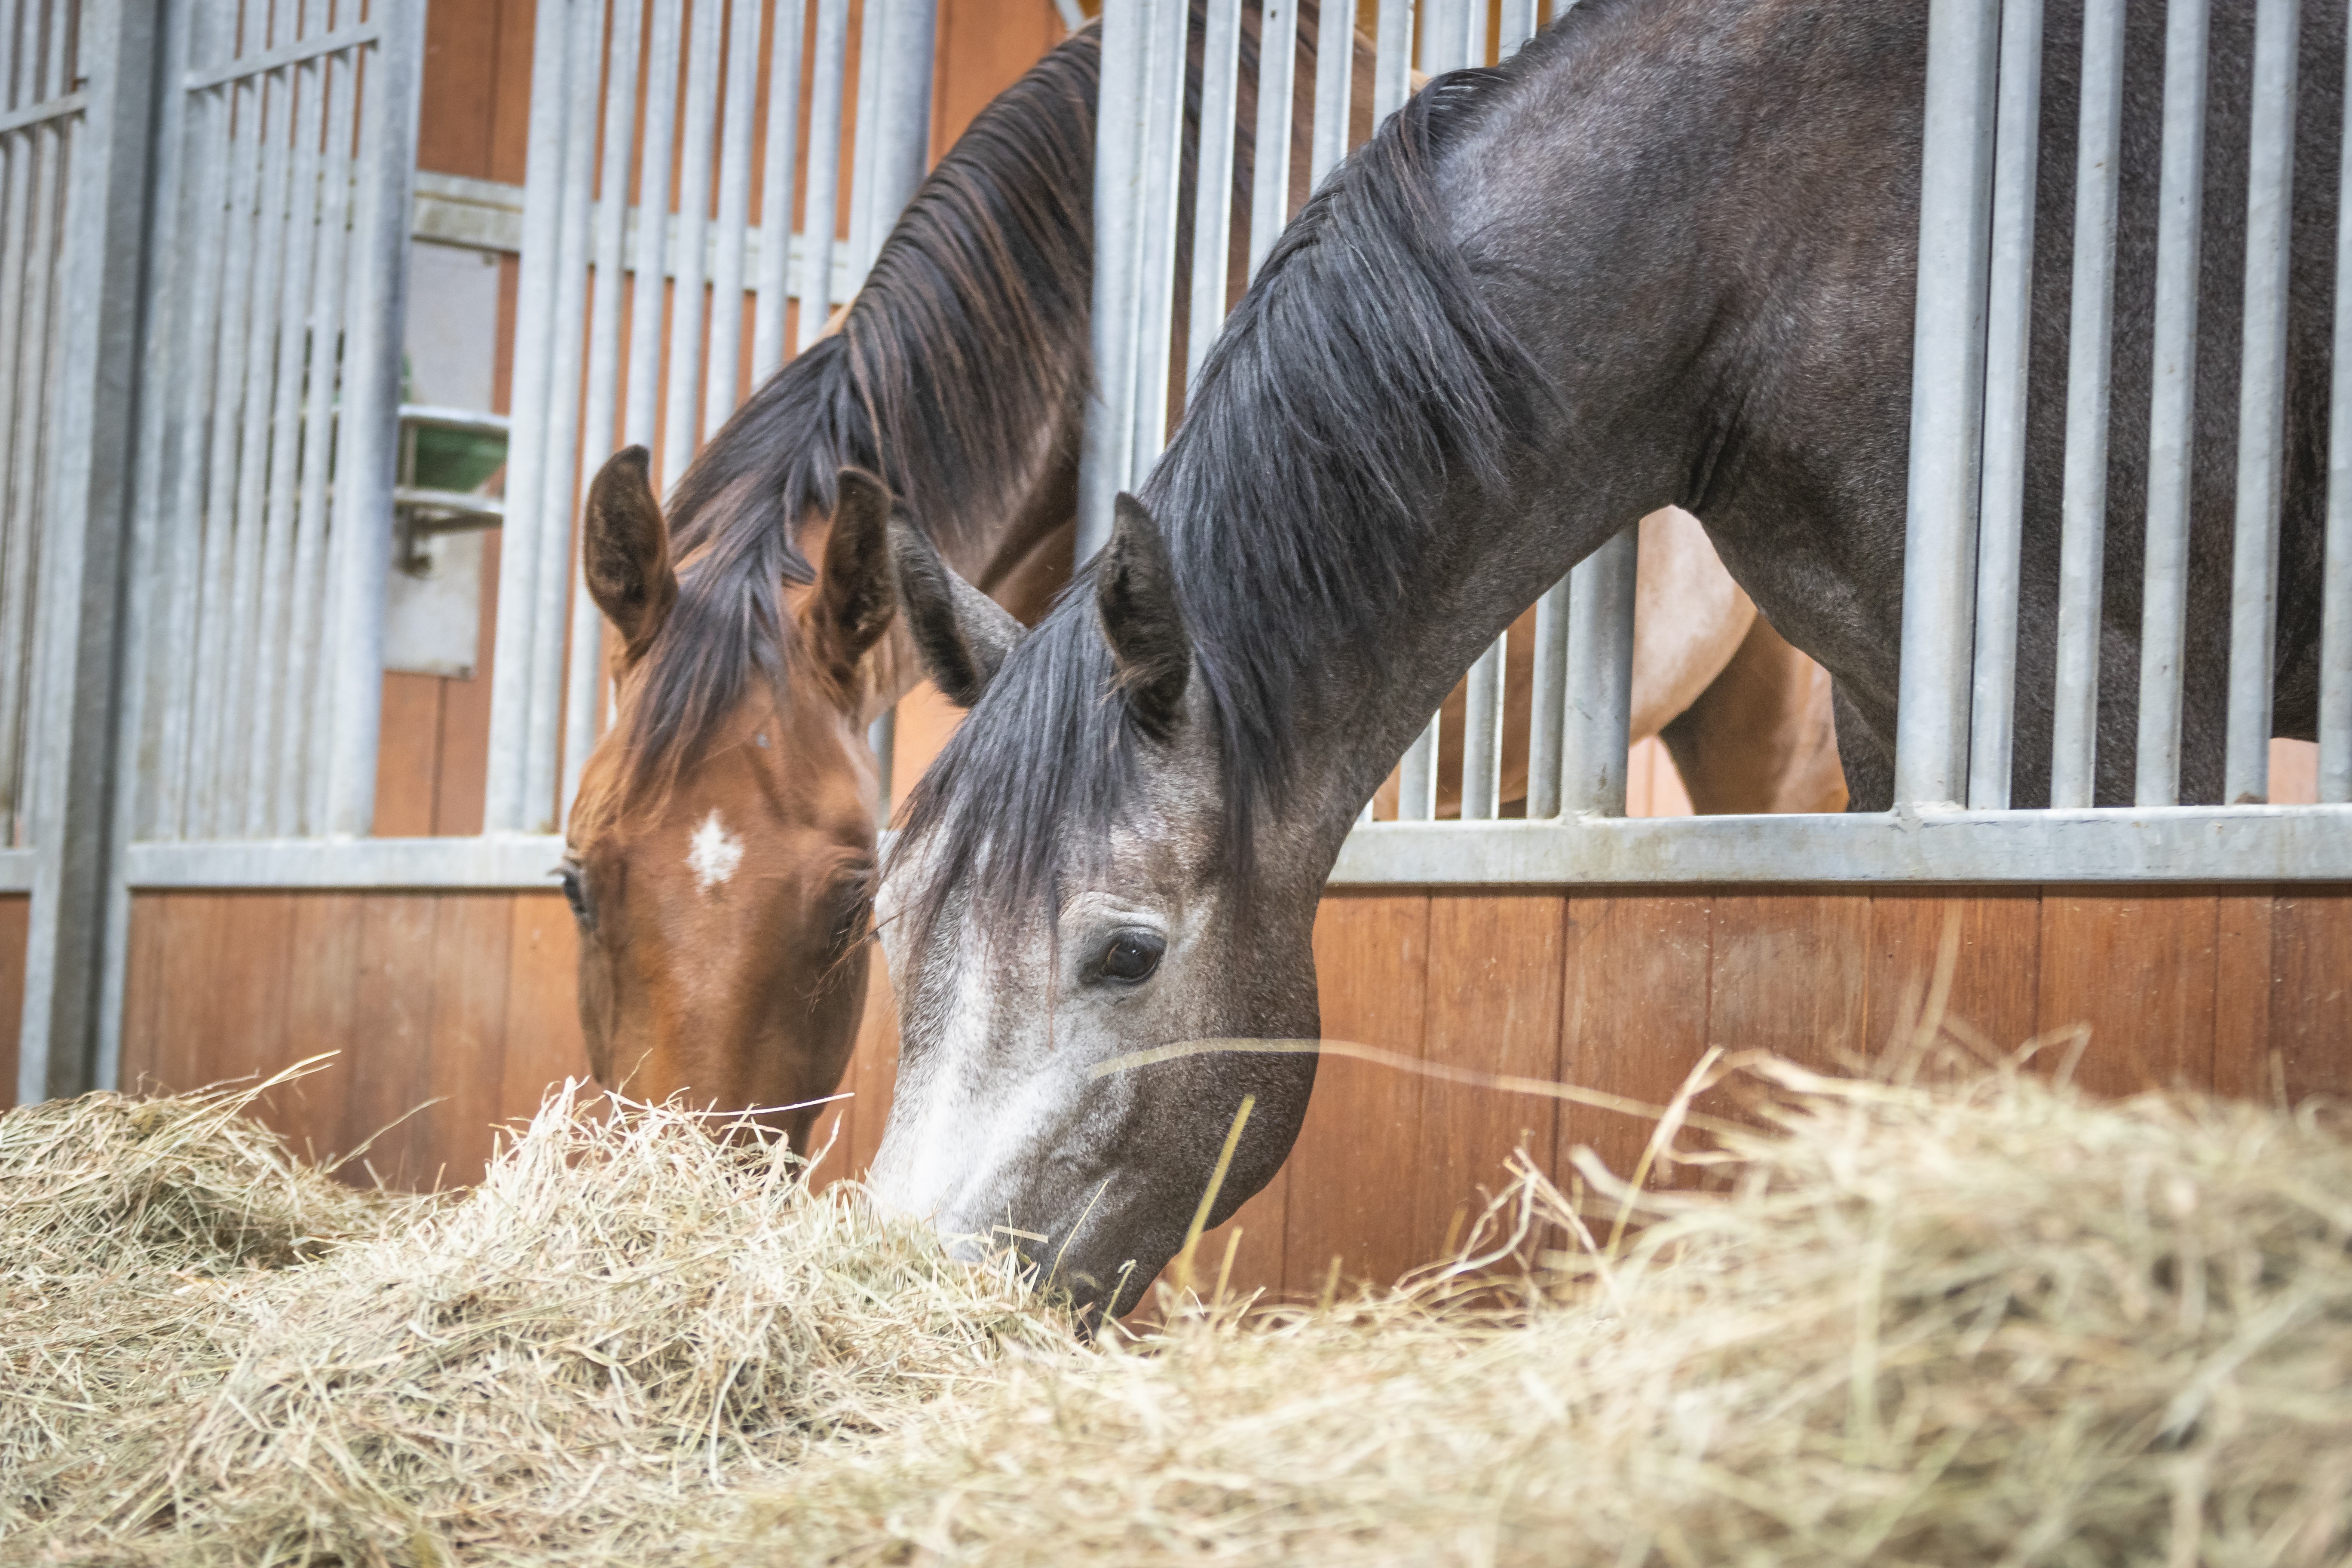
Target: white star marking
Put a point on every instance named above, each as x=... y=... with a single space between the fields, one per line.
x=715 y=853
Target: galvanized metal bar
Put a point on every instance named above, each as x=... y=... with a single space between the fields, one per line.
x=2083 y=542
x=265 y=808
x=1417 y=776
x=902 y=115
x=2009 y=310
x=2261 y=403
x=1517 y=24
x=1391 y=59
x=17 y=391
x=719 y=392
x=1444 y=36
x=1548 y=702
x=1277 y=73
x=871 y=24
x=273 y=101
x=681 y=430
x=553 y=574
x=2171 y=440
x=1108 y=445
x=1334 y=80
x=1600 y=714
x=2335 y=581
x=642 y=415
x=505 y=806
x=1947 y=404
x=41 y=113
x=1156 y=236
x=245 y=66
x=776 y=182
x=1212 y=192
x=302 y=755
x=584 y=670
x=821 y=207
x=362 y=530
x=1482 y=735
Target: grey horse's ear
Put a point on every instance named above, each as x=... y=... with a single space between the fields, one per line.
x=624 y=552
x=961 y=633
x=1135 y=597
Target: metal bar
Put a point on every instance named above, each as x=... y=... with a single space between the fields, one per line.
x=902 y=114
x=264 y=809
x=1393 y=60
x=239 y=797
x=1482 y=735
x=639 y=419
x=2171 y=441
x=1108 y=444
x=1278 y=70
x=1518 y=24
x=18 y=392
x=553 y=574
x=2178 y=844
x=260 y=61
x=726 y=356
x=1417 y=776
x=42 y=114
x=821 y=212
x=464 y=503
x=1444 y=36
x=873 y=22
x=1600 y=714
x=2336 y=583
x=1946 y=405
x=2009 y=310
x=2261 y=403
x=1212 y=192
x=366 y=445
x=586 y=669
x=681 y=428
x=2082 y=552
x=776 y=182
x=1334 y=77
x=1162 y=162
x=519 y=861
x=505 y=804
x=1548 y=702
x=473 y=421
x=302 y=755
x=882 y=740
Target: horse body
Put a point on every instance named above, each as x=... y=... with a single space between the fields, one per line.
x=1665 y=256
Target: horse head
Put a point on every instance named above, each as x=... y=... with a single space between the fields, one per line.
x=721 y=878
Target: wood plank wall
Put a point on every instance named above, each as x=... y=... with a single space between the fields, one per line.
x=465 y=1000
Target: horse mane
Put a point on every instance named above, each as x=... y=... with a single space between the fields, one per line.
x=969 y=337
x=1362 y=372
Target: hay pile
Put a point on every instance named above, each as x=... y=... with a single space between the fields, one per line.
x=1969 y=1324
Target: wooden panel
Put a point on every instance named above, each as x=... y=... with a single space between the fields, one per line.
x=470 y=973
x=1634 y=1014
x=1994 y=979
x=2138 y=968
x=15 y=919
x=2311 y=999
x=1493 y=1005
x=544 y=1043
x=1788 y=973
x=2244 y=964
x=408 y=759
x=1352 y=1170
x=321 y=993
x=983 y=47
x=465 y=72
x=389 y=1057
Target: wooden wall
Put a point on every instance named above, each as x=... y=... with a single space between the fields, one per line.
x=465 y=1000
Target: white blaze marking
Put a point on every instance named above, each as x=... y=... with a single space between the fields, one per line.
x=715 y=853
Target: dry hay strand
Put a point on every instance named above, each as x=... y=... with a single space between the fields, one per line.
x=1980 y=1323
x=572 y=1362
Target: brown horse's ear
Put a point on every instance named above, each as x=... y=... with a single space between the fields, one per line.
x=962 y=633
x=624 y=551
x=853 y=605
x=1135 y=597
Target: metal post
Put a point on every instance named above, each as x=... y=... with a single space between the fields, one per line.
x=1391 y=59
x=1482 y=735
x=1549 y=700
x=2261 y=403
x=776 y=182
x=1278 y=71
x=821 y=217
x=1518 y=25
x=1212 y=194
x=91 y=459
x=648 y=265
x=1946 y=405
x=302 y=761
x=1444 y=36
x=690 y=244
x=372 y=407
x=1120 y=121
x=719 y=388
x=1417 y=776
x=1335 y=79
x=1163 y=164
x=2336 y=584
x=1600 y=676
x=2082 y=557
x=2008 y=341
x=2171 y=441
x=873 y=23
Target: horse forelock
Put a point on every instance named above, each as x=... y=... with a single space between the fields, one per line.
x=1360 y=372
x=968 y=337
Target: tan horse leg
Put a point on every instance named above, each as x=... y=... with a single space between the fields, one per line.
x=1760 y=738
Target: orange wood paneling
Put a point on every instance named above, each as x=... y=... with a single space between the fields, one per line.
x=2311 y=990
x=544 y=1043
x=1634 y=1014
x=2244 y=961
x=1759 y=944
x=1995 y=971
x=15 y=918
x=2138 y=969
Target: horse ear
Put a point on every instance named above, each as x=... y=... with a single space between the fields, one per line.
x=853 y=605
x=962 y=633
x=1135 y=597
x=624 y=551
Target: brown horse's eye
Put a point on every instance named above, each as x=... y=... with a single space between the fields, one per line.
x=575 y=893
x=1131 y=955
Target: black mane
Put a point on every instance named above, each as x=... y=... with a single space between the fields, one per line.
x=967 y=341
x=1362 y=372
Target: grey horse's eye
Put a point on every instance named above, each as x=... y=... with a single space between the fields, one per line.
x=1131 y=955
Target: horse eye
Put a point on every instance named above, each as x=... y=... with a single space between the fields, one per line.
x=1133 y=955
x=576 y=895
